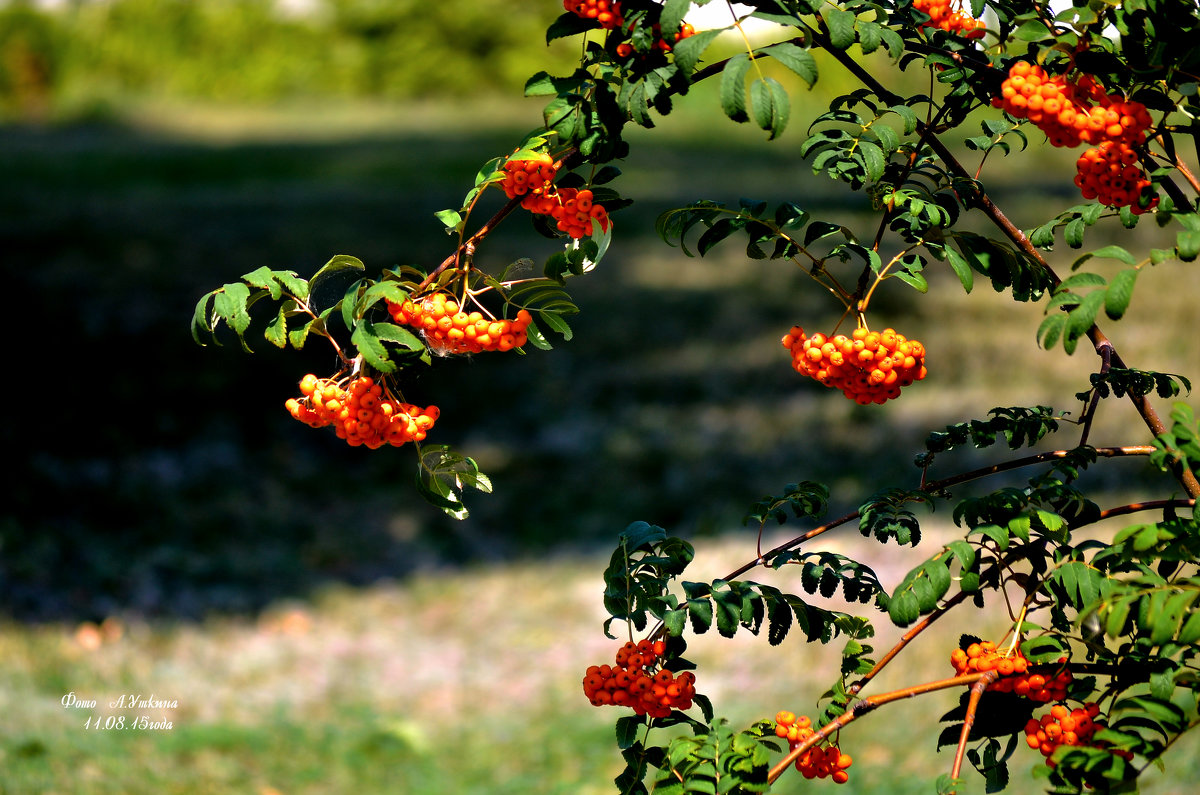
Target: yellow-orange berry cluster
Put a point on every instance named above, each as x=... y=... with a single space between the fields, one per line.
x=816 y=762
x=625 y=49
x=572 y=208
x=943 y=14
x=362 y=412
x=1062 y=726
x=1074 y=113
x=639 y=682
x=1013 y=669
x=868 y=366
x=1071 y=113
x=449 y=329
x=529 y=178
x=606 y=12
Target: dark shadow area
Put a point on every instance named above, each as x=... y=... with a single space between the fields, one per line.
x=159 y=478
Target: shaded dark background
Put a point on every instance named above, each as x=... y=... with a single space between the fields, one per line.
x=158 y=478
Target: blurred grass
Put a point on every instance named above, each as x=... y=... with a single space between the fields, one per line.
x=445 y=683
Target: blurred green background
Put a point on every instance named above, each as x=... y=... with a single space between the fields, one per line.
x=170 y=529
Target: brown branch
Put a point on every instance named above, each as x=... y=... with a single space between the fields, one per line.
x=1151 y=505
x=1106 y=351
x=869 y=705
x=969 y=721
x=935 y=486
x=1187 y=174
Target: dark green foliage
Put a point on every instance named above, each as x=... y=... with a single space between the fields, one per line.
x=1017 y=425
x=802 y=499
x=1181 y=445
x=717 y=760
x=886 y=518
x=1122 y=381
x=643 y=564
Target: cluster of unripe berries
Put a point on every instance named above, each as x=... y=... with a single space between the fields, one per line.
x=361 y=411
x=1013 y=669
x=816 y=762
x=1073 y=113
x=638 y=681
x=608 y=14
x=572 y=208
x=868 y=366
x=449 y=329
x=943 y=15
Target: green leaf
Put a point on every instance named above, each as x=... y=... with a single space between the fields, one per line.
x=298 y=336
x=873 y=159
x=1073 y=232
x=1033 y=30
x=962 y=268
x=840 y=23
x=672 y=15
x=451 y=219
x=556 y=322
x=687 y=52
x=1051 y=329
x=1187 y=243
x=770 y=105
x=264 y=278
x=568 y=24
x=797 y=59
x=536 y=337
x=1115 y=252
x=1120 y=292
x=276 y=331
x=733 y=87
x=627 y=730
x=1082 y=318
x=328 y=285
x=371 y=347
x=904 y=609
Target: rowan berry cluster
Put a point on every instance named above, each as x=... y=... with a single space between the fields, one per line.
x=447 y=328
x=605 y=12
x=1108 y=172
x=868 y=366
x=819 y=761
x=1073 y=113
x=942 y=14
x=1062 y=726
x=529 y=178
x=638 y=681
x=608 y=14
x=1013 y=669
x=572 y=208
x=362 y=412
x=625 y=49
